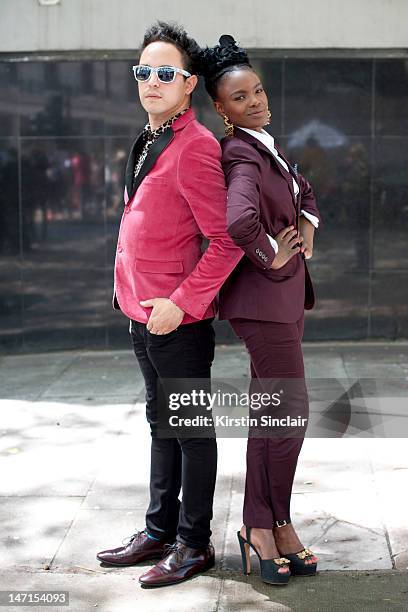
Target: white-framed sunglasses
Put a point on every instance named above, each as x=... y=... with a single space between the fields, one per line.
x=165 y=74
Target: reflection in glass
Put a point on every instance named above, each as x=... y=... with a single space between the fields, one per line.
x=63 y=194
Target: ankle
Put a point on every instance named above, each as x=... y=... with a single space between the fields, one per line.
x=282 y=533
x=259 y=533
x=287 y=539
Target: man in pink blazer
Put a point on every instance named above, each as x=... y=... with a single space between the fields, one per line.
x=175 y=194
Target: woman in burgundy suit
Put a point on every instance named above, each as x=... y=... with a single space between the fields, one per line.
x=272 y=215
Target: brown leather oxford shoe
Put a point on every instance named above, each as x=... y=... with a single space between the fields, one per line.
x=139 y=548
x=179 y=563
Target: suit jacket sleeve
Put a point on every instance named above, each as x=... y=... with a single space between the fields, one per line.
x=308 y=201
x=202 y=183
x=243 y=174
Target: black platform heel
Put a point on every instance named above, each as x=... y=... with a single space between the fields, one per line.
x=297 y=560
x=269 y=567
x=298 y=565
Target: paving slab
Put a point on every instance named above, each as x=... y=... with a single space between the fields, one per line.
x=93 y=530
x=98 y=374
x=231 y=362
x=32 y=529
x=344 y=529
x=28 y=376
x=328 y=365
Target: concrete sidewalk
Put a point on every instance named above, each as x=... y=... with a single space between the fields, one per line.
x=74 y=461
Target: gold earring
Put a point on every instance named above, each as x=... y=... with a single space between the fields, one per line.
x=269 y=117
x=229 y=127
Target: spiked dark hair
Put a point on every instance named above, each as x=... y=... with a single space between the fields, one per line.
x=216 y=61
x=176 y=35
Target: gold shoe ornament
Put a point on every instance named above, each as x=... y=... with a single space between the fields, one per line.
x=281 y=561
x=305 y=553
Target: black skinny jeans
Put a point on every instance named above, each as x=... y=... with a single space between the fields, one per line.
x=177 y=463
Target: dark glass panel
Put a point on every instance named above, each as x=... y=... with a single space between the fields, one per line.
x=64 y=307
x=8 y=99
x=389 y=305
x=62 y=98
x=11 y=305
x=326 y=99
x=9 y=199
x=341 y=310
x=390 y=223
x=391 y=97
x=11 y=291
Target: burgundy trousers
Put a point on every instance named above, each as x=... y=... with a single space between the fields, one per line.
x=275 y=352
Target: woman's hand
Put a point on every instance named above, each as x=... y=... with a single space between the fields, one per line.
x=306 y=230
x=286 y=239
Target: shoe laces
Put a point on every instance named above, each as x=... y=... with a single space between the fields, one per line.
x=172 y=548
x=131 y=537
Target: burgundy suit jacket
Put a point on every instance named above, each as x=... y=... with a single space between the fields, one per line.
x=261 y=201
x=179 y=196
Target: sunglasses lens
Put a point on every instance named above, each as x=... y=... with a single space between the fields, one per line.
x=142 y=73
x=166 y=74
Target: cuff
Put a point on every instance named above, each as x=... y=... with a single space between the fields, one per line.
x=312 y=218
x=193 y=308
x=273 y=242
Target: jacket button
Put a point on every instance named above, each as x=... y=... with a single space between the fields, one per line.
x=120 y=249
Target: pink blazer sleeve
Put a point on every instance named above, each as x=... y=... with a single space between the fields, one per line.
x=202 y=183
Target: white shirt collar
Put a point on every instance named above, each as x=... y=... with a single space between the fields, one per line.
x=263 y=136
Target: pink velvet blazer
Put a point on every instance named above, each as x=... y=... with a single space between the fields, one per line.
x=178 y=197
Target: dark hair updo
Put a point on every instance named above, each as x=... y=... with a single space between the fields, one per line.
x=216 y=61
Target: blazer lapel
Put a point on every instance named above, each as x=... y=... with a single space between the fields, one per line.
x=155 y=150
x=130 y=166
x=252 y=140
